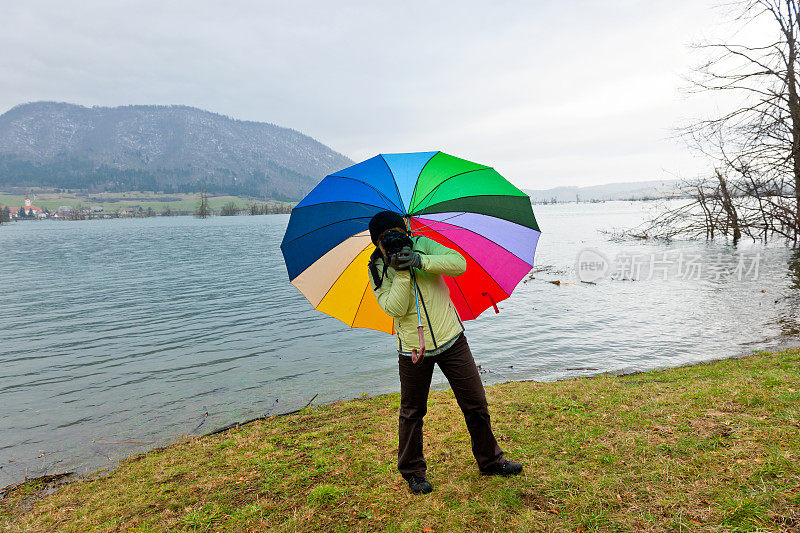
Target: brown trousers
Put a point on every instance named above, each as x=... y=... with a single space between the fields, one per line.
x=459 y=368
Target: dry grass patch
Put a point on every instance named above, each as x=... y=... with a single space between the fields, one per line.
x=710 y=447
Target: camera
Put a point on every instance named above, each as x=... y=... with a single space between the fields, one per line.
x=394 y=241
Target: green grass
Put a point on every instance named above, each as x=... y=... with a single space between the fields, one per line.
x=710 y=447
x=47 y=199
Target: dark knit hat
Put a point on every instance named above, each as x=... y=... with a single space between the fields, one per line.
x=383 y=221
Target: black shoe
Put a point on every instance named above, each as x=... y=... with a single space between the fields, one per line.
x=419 y=485
x=506 y=469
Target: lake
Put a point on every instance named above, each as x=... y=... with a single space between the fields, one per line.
x=134 y=329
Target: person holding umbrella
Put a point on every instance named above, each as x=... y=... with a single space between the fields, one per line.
x=474 y=240
x=406 y=274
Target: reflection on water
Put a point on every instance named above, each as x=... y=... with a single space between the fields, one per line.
x=131 y=330
x=793 y=271
x=788 y=316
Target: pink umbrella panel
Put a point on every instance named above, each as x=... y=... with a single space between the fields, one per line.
x=499 y=255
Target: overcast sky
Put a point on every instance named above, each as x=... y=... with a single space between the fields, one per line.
x=548 y=92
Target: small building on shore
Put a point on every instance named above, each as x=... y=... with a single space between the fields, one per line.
x=28 y=210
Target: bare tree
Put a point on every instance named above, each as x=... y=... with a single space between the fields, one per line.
x=755 y=148
x=203 y=209
x=229 y=209
x=76 y=213
x=269 y=208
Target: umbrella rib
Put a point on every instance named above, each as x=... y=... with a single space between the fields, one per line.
x=371 y=187
x=448 y=179
x=516 y=214
x=465 y=299
x=484 y=270
x=448 y=218
x=461 y=228
x=363 y=295
x=325 y=226
x=479 y=266
x=411 y=202
x=340 y=275
x=337 y=202
x=394 y=180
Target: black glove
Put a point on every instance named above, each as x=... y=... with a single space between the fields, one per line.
x=408 y=258
x=393 y=260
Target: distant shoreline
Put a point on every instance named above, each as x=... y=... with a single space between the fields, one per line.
x=132 y=204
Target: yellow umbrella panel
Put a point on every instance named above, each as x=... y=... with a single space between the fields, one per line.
x=338 y=285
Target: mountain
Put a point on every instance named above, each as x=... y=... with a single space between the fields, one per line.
x=638 y=190
x=167 y=148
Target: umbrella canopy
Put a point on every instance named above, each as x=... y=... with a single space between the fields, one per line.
x=463 y=205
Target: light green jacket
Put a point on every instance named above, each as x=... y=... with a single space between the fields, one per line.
x=396 y=296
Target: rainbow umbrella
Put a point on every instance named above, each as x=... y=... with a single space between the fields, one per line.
x=463 y=205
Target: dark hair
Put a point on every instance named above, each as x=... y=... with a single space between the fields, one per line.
x=382 y=221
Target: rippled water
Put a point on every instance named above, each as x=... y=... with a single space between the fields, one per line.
x=133 y=329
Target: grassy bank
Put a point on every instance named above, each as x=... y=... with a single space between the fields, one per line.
x=711 y=447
